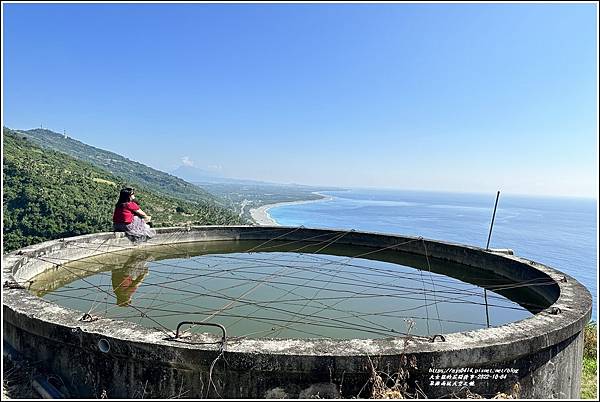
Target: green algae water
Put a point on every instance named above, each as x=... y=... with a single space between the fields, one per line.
x=285 y=290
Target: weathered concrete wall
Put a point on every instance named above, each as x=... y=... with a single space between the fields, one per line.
x=544 y=351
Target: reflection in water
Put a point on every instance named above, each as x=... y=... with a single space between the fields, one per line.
x=126 y=280
x=289 y=290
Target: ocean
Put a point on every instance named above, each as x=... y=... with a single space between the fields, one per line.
x=557 y=231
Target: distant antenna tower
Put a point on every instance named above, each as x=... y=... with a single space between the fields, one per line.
x=65 y=134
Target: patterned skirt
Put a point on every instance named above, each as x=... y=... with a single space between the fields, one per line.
x=137 y=230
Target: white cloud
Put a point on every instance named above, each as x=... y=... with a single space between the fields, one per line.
x=187 y=161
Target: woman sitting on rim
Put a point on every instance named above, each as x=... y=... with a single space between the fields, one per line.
x=129 y=218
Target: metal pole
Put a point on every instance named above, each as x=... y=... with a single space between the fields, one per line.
x=487 y=247
x=487 y=313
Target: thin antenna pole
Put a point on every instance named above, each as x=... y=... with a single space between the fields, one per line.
x=487 y=247
x=487 y=312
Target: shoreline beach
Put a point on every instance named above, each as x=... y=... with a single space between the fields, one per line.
x=261 y=215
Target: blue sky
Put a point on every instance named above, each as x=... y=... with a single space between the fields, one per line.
x=452 y=97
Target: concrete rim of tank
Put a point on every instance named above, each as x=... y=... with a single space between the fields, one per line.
x=540 y=331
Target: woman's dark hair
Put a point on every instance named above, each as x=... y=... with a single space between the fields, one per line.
x=124 y=196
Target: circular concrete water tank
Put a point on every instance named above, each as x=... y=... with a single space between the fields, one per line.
x=538 y=357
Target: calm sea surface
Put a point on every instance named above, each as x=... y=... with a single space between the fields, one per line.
x=559 y=232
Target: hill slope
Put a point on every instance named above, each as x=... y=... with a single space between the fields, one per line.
x=159 y=182
x=49 y=195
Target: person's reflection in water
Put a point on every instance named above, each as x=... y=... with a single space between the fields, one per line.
x=126 y=280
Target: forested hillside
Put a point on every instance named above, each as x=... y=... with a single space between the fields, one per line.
x=49 y=195
x=118 y=165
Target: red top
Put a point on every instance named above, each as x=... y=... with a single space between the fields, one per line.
x=124 y=212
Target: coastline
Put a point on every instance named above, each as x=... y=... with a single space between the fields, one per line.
x=261 y=215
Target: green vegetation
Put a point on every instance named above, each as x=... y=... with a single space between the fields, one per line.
x=589 y=388
x=49 y=195
x=130 y=171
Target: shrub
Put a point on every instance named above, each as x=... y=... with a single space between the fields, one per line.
x=590 y=340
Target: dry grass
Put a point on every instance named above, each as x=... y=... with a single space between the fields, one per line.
x=392 y=387
x=393 y=383
x=18 y=380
